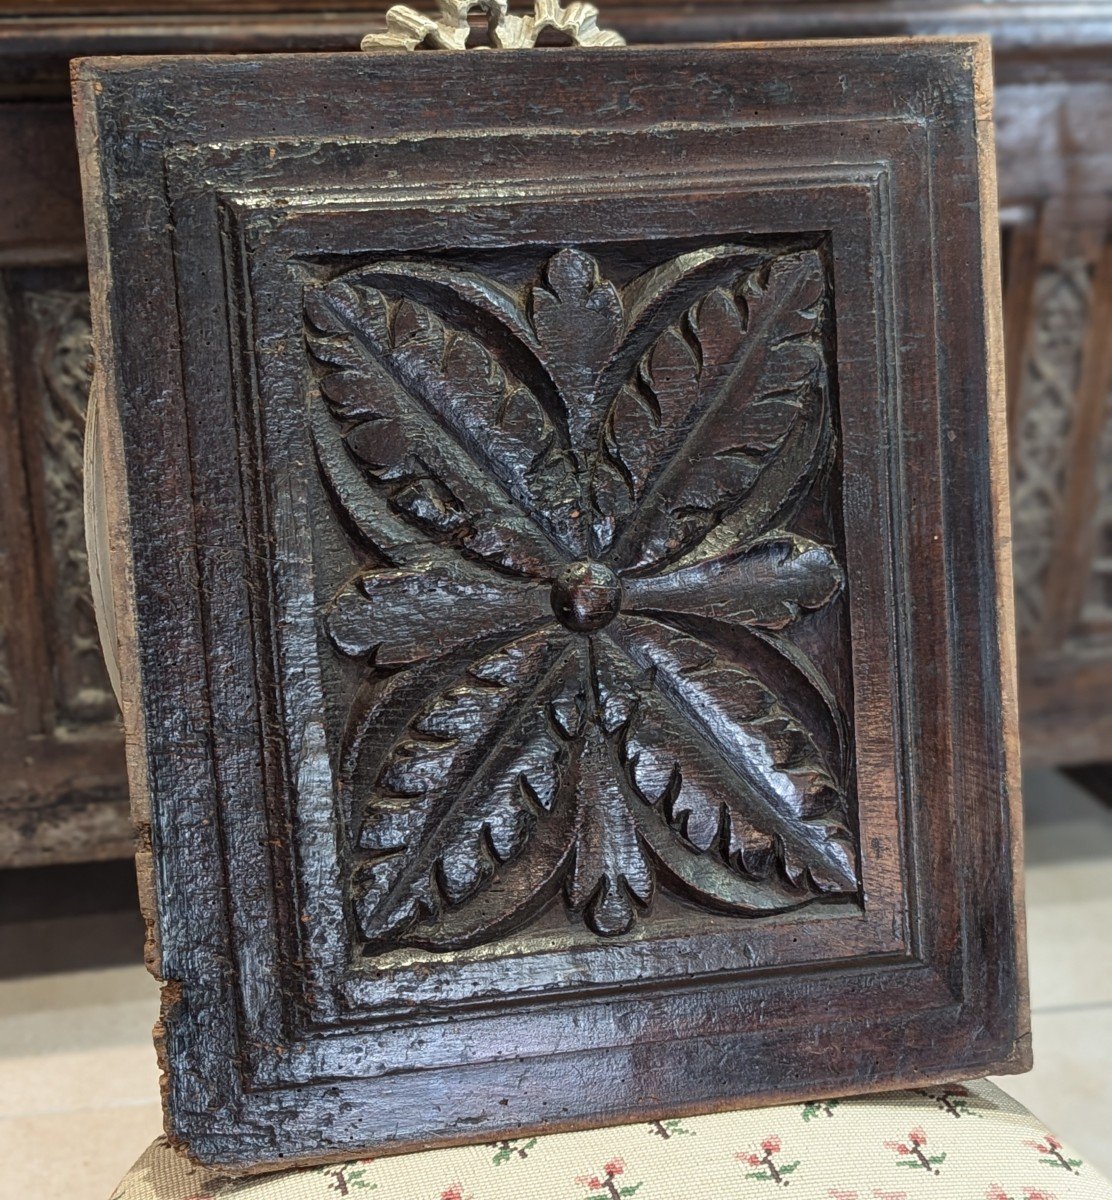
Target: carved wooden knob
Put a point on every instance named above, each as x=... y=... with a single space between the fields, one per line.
x=586 y=596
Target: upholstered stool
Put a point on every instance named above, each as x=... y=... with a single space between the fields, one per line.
x=962 y=1142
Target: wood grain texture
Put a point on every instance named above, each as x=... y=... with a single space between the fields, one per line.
x=565 y=594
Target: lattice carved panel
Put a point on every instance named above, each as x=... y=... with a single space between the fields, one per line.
x=1047 y=409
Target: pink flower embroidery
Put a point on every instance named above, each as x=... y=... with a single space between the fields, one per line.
x=766 y=1165
x=1051 y=1151
x=606 y=1186
x=996 y=1192
x=877 y=1195
x=912 y=1152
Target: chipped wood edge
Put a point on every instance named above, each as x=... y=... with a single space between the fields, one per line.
x=999 y=467
x=107 y=527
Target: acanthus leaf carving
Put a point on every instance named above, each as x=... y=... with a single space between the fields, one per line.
x=399 y=617
x=415 y=395
x=461 y=787
x=768 y=584
x=727 y=764
x=558 y=479
x=610 y=876
x=765 y=341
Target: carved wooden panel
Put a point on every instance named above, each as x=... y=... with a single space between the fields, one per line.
x=536 y=581
x=58 y=357
x=571 y=505
x=1053 y=106
x=1058 y=309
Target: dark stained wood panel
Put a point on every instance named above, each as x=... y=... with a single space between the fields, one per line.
x=561 y=592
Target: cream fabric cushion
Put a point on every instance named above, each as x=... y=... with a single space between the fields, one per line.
x=968 y=1142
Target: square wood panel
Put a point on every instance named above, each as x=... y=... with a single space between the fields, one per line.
x=556 y=533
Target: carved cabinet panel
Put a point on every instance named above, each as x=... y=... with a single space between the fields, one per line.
x=1058 y=301
x=535 y=580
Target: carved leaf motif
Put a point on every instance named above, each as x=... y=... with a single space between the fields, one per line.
x=692 y=454
x=730 y=768
x=363 y=508
x=552 y=475
x=513 y=895
x=460 y=789
x=401 y=617
x=578 y=321
x=660 y=297
x=769 y=584
x=435 y=421
x=656 y=412
x=610 y=874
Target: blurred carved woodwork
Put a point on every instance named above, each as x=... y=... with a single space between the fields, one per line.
x=63 y=796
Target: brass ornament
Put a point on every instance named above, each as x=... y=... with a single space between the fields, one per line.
x=407 y=29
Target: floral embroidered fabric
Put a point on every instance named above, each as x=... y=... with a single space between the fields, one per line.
x=960 y=1142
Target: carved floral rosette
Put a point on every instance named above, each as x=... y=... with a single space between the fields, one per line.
x=570 y=490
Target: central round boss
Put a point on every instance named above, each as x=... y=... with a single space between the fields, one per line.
x=586 y=596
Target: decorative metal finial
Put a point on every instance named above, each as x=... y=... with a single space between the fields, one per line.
x=407 y=29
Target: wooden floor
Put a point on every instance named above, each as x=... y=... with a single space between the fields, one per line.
x=78 y=1083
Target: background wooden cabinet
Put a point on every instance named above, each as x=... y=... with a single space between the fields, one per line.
x=62 y=789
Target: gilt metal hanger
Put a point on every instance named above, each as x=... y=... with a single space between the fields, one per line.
x=407 y=29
